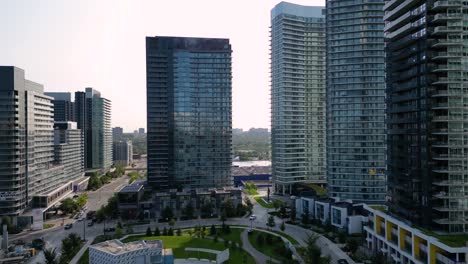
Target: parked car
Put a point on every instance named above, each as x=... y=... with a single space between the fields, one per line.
x=91 y=223
x=68 y=226
x=109 y=229
x=253 y=217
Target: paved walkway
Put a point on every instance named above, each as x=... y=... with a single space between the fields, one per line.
x=259 y=257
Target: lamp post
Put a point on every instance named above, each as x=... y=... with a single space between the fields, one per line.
x=84 y=229
x=251 y=223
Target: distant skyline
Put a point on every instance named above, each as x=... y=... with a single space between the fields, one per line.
x=70 y=45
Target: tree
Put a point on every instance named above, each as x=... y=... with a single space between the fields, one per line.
x=305 y=218
x=70 y=246
x=352 y=245
x=240 y=210
x=312 y=251
x=179 y=232
x=68 y=206
x=157 y=232
x=148 y=231
x=164 y=233
x=167 y=214
x=94 y=182
x=212 y=230
x=282 y=226
x=282 y=211
x=50 y=256
x=172 y=222
x=277 y=204
x=292 y=214
x=228 y=206
x=223 y=217
x=170 y=232
x=82 y=200
x=207 y=209
x=188 y=211
x=271 y=221
x=248 y=205
x=118 y=232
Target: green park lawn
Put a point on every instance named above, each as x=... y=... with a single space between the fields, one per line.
x=263 y=203
x=268 y=250
x=233 y=236
x=179 y=243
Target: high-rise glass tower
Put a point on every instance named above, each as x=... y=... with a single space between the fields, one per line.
x=297 y=95
x=93 y=117
x=63 y=106
x=188 y=112
x=356 y=134
x=427 y=90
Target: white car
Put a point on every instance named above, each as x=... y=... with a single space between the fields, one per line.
x=253 y=217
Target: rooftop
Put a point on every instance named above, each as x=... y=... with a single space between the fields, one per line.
x=131 y=188
x=116 y=247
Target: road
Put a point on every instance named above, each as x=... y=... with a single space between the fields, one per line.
x=55 y=235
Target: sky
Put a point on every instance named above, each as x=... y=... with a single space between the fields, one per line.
x=69 y=45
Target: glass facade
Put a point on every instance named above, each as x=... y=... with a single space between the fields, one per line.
x=356 y=133
x=427 y=71
x=189 y=112
x=297 y=95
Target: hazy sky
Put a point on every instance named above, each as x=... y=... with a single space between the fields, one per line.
x=69 y=45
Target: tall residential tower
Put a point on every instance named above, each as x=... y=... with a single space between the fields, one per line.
x=427 y=90
x=188 y=112
x=356 y=134
x=298 y=110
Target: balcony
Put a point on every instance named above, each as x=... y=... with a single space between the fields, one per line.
x=447 y=42
x=444 y=17
x=441 y=259
x=439 y=5
x=441 y=30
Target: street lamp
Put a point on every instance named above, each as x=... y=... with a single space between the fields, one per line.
x=251 y=222
x=84 y=229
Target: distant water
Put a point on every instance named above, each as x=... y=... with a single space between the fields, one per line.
x=251 y=163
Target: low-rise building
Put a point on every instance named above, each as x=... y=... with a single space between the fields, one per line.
x=404 y=243
x=138 y=252
x=344 y=215
x=134 y=200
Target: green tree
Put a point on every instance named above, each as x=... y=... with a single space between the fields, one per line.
x=70 y=246
x=312 y=251
x=277 y=204
x=188 y=211
x=94 y=182
x=68 y=206
x=167 y=214
x=248 y=205
x=170 y=232
x=164 y=233
x=179 y=232
x=212 y=230
x=271 y=221
x=223 y=217
x=82 y=200
x=292 y=213
x=157 y=232
x=148 y=231
x=352 y=245
x=172 y=222
x=282 y=211
x=118 y=232
x=207 y=209
x=50 y=256
x=282 y=226
x=228 y=206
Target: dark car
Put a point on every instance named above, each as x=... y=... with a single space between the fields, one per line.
x=68 y=226
x=109 y=229
x=342 y=261
x=90 y=223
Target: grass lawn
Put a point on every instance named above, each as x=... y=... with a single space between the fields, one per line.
x=84 y=258
x=266 y=249
x=179 y=243
x=263 y=203
x=47 y=226
x=234 y=236
x=251 y=191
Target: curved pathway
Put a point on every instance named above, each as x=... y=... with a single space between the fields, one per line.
x=259 y=257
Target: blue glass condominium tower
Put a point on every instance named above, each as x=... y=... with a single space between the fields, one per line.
x=356 y=133
x=297 y=95
x=188 y=112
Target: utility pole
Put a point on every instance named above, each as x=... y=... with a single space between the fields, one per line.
x=84 y=229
